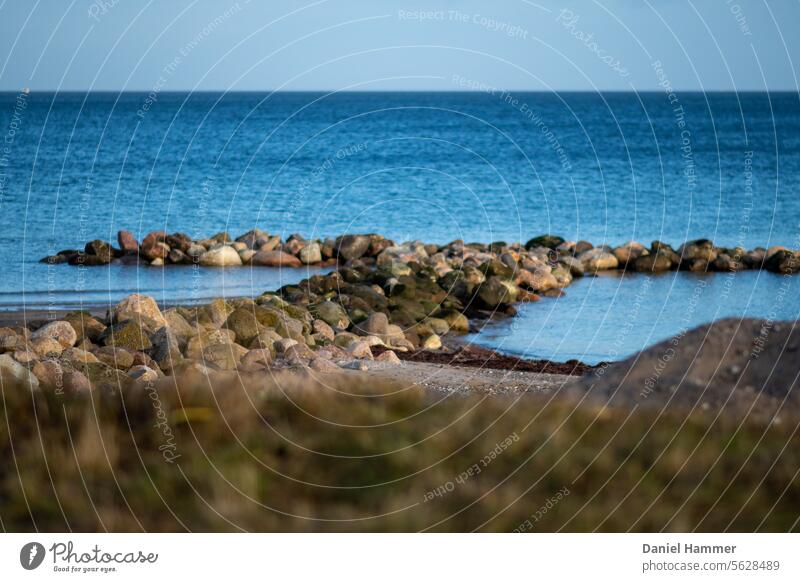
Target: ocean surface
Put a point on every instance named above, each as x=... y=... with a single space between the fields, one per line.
x=432 y=166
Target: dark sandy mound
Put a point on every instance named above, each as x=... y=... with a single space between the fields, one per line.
x=744 y=366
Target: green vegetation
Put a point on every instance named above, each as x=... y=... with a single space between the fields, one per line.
x=289 y=453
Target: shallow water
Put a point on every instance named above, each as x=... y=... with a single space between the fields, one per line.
x=432 y=166
x=612 y=316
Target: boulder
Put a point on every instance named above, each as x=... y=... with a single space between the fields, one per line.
x=653 y=263
x=351 y=246
x=598 y=259
x=49 y=373
x=360 y=350
x=119 y=358
x=100 y=249
x=388 y=357
x=139 y=307
x=224 y=356
x=143 y=374
x=432 y=342
x=223 y=256
x=783 y=261
x=376 y=324
x=130 y=335
x=154 y=251
x=331 y=313
x=701 y=249
x=127 y=242
x=256 y=360
x=310 y=254
x=274 y=258
x=243 y=322
x=13 y=370
x=495 y=292
x=166 y=351
x=547 y=240
x=59 y=331
x=85 y=325
x=628 y=253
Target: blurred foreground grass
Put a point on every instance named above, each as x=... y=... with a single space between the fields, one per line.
x=291 y=454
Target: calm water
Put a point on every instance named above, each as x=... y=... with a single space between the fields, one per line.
x=431 y=166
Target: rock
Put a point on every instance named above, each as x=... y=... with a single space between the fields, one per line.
x=166 y=350
x=100 y=249
x=264 y=258
x=127 y=242
x=351 y=246
x=223 y=256
x=178 y=325
x=598 y=259
x=139 y=308
x=458 y=322
x=310 y=254
x=143 y=374
x=701 y=249
x=50 y=374
x=495 y=292
x=255 y=360
x=359 y=349
x=27 y=356
x=284 y=344
x=783 y=261
x=45 y=346
x=432 y=342
x=129 y=334
x=242 y=321
x=178 y=257
x=628 y=253
x=547 y=240
x=12 y=370
x=251 y=236
x=59 y=331
x=154 y=237
x=247 y=256
x=376 y=324
x=9 y=340
x=323 y=330
x=78 y=357
x=654 y=263
x=85 y=325
x=265 y=340
x=157 y=263
x=224 y=356
x=154 y=251
x=118 y=358
x=574 y=266
x=388 y=357
x=76 y=383
x=198 y=344
x=331 y=313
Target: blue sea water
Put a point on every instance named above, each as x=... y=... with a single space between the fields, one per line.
x=432 y=166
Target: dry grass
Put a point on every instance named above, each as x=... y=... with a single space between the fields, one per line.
x=293 y=454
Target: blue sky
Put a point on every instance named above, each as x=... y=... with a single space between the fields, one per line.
x=394 y=45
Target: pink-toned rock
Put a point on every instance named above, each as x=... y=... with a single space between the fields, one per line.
x=275 y=259
x=154 y=237
x=154 y=251
x=127 y=242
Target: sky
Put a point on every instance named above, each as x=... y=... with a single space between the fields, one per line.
x=582 y=45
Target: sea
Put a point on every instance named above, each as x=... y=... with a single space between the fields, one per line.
x=432 y=166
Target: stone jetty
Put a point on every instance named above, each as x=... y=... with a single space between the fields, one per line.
x=382 y=298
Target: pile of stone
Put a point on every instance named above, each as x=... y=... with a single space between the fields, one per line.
x=258 y=248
